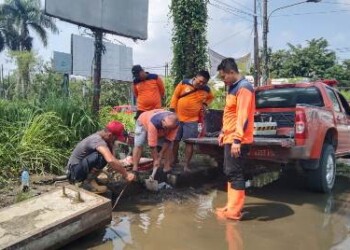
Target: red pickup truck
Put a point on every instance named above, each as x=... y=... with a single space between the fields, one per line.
x=312 y=128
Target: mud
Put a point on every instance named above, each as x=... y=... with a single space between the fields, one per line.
x=282 y=215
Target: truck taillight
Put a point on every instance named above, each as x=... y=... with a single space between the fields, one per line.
x=300 y=125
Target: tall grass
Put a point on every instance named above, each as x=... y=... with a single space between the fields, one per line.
x=41 y=144
x=39 y=132
x=40 y=136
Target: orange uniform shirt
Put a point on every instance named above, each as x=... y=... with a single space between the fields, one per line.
x=149 y=93
x=152 y=122
x=188 y=107
x=238 y=120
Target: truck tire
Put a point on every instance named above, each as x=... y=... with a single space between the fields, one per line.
x=322 y=179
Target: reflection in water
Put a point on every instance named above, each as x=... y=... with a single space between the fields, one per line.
x=204 y=207
x=233 y=237
x=277 y=217
x=145 y=222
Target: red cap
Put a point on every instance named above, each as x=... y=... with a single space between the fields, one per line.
x=117 y=129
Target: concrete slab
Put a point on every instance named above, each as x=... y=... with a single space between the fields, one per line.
x=53 y=219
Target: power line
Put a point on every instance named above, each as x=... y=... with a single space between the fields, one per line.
x=226 y=38
x=229 y=11
x=234 y=8
x=312 y=13
x=251 y=10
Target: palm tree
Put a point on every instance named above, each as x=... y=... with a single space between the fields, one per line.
x=26 y=16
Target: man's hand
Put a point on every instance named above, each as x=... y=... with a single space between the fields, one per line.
x=129 y=177
x=221 y=139
x=236 y=150
x=156 y=163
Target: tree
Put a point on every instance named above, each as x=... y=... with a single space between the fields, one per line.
x=189 y=37
x=24 y=16
x=25 y=61
x=7 y=32
x=341 y=72
x=311 y=61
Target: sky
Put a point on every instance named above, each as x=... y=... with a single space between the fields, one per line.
x=228 y=33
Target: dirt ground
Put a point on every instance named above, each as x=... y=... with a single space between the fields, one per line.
x=12 y=193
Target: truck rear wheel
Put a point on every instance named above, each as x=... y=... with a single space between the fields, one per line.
x=322 y=179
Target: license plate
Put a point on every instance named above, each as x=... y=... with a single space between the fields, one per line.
x=262 y=153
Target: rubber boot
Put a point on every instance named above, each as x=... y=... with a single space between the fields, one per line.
x=91 y=185
x=236 y=204
x=222 y=209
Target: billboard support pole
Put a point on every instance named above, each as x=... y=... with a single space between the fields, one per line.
x=97 y=71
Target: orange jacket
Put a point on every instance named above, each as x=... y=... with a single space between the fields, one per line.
x=149 y=93
x=238 y=120
x=152 y=122
x=188 y=107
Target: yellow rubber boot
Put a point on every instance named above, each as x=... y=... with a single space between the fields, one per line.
x=236 y=204
x=222 y=209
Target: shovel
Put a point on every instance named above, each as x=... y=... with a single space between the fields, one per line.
x=151 y=183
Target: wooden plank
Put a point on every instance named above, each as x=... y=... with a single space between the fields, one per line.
x=52 y=220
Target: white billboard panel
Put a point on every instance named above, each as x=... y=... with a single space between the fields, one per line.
x=62 y=62
x=116 y=61
x=121 y=17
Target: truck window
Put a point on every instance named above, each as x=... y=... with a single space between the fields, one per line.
x=334 y=99
x=344 y=103
x=288 y=97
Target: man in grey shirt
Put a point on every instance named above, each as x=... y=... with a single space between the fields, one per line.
x=92 y=154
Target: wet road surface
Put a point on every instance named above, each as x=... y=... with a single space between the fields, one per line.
x=282 y=215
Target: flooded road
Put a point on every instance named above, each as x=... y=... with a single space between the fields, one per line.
x=282 y=215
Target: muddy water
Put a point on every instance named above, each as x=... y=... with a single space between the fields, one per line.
x=281 y=215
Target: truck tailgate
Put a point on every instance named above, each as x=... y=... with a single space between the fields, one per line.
x=258 y=141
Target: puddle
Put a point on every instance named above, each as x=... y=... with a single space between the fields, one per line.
x=281 y=215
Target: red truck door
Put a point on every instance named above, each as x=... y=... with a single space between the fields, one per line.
x=341 y=122
x=346 y=111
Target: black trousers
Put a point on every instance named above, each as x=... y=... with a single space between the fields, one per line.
x=79 y=172
x=234 y=167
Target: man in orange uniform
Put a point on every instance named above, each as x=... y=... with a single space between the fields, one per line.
x=148 y=90
x=188 y=99
x=158 y=127
x=236 y=135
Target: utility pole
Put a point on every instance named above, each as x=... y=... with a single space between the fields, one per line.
x=97 y=71
x=256 y=49
x=2 y=89
x=265 y=75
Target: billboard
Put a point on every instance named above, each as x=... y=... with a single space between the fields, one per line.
x=116 y=61
x=62 y=62
x=243 y=63
x=127 y=18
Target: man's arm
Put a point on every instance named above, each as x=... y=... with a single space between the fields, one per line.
x=157 y=157
x=244 y=99
x=175 y=97
x=209 y=99
x=114 y=163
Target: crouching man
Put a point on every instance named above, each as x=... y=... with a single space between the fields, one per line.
x=158 y=127
x=93 y=153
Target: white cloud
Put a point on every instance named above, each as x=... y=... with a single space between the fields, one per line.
x=346 y=4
